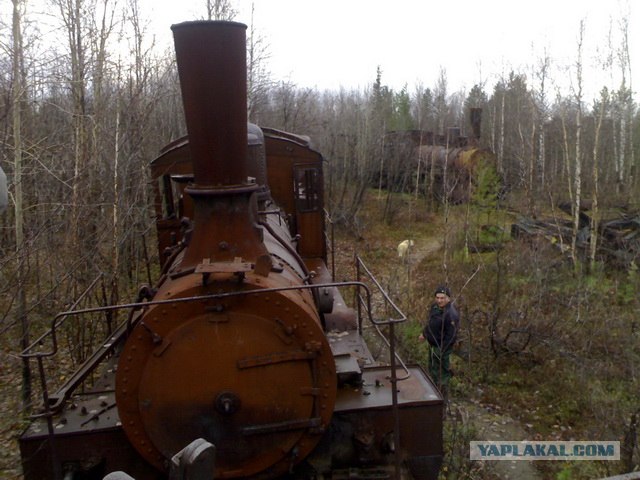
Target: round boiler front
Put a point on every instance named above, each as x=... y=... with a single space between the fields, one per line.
x=256 y=378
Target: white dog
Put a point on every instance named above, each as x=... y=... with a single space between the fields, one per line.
x=404 y=247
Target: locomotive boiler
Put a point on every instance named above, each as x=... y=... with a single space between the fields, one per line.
x=243 y=360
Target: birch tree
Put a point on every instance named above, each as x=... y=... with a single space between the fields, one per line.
x=542 y=112
x=600 y=112
x=500 y=139
x=577 y=173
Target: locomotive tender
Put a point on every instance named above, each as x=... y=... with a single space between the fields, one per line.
x=244 y=346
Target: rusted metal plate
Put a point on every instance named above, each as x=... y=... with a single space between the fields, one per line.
x=87 y=437
x=350 y=342
x=213 y=72
x=237 y=266
x=363 y=426
x=375 y=392
x=84 y=414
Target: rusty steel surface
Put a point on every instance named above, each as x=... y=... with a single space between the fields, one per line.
x=88 y=437
x=271 y=158
x=211 y=58
x=254 y=376
x=286 y=153
x=375 y=391
x=369 y=408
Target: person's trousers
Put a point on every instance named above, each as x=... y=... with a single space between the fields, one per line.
x=439 y=366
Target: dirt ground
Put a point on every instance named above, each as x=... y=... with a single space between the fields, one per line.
x=492 y=425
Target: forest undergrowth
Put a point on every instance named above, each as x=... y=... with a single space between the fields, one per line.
x=554 y=349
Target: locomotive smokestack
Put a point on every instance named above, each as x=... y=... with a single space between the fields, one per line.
x=211 y=58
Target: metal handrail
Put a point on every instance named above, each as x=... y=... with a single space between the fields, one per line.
x=361 y=263
x=55 y=325
x=214 y=296
x=58 y=321
x=390 y=341
x=363 y=300
x=330 y=241
x=54 y=402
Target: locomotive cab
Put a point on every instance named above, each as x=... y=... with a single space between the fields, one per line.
x=287 y=169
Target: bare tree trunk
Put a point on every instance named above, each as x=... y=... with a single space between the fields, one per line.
x=432 y=179
x=629 y=107
x=501 y=136
x=530 y=176
x=493 y=130
x=620 y=161
x=381 y=169
x=116 y=194
x=566 y=153
x=577 y=179
x=445 y=201
x=604 y=99
x=21 y=244
x=542 y=113
x=417 y=188
x=532 y=166
x=72 y=14
x=541 y=155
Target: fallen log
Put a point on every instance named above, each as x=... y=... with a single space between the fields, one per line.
x=618 y=238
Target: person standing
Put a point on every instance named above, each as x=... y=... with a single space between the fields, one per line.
x=441 y=331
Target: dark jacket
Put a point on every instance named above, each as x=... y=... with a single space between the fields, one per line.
x=442 y=325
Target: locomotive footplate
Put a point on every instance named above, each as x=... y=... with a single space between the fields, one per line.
x=87 y=440
x=375 y=391
x=362 y=428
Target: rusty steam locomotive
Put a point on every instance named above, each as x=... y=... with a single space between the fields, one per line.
x=243 y=360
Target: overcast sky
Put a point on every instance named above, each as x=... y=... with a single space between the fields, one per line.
x=330 y=44
x=333 y=43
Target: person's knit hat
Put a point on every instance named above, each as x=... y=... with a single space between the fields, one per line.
x=443 y=289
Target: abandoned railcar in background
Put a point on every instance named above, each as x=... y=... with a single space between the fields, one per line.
x=243 y=360
x=445 y=167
